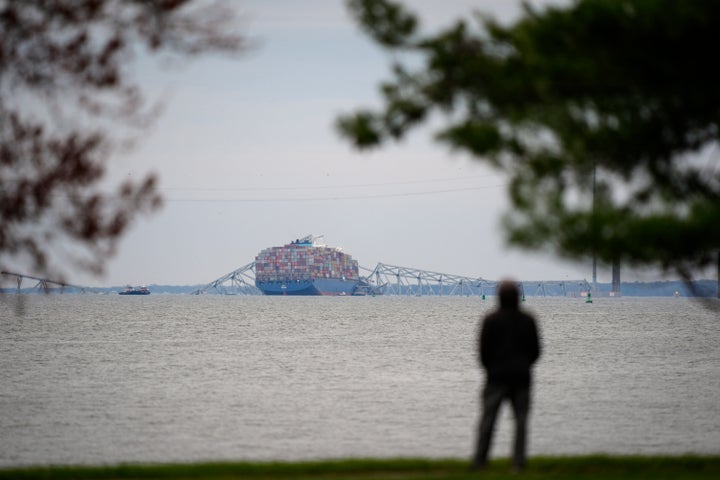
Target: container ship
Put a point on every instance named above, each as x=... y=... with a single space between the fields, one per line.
x=306 y=267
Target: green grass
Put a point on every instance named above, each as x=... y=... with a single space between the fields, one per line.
x=584 y=467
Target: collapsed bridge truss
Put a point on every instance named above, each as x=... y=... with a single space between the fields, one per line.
x=237 y=282
x=387 y=279
x=46 y=285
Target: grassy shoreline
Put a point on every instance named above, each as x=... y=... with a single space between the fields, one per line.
x=570 y=467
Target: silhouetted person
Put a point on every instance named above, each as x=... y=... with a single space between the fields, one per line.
x=509 y=345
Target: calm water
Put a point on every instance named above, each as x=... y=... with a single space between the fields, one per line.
x=107 y=379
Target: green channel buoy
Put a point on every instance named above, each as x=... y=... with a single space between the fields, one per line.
x=483 y=297
x=589 y=298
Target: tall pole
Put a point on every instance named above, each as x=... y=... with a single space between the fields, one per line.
x=616 y=283
x=594 y=275
x=594 y=262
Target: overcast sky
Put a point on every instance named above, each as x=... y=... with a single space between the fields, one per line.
x=248 y=158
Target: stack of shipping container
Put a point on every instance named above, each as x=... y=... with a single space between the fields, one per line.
x=304 y=262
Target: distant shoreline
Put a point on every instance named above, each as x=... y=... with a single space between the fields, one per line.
x=666 y=288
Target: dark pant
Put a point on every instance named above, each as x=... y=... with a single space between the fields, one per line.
x=492 y=397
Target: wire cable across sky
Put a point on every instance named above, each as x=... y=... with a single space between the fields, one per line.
x=169 y=197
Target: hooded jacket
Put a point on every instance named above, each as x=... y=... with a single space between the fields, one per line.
x=509 y=343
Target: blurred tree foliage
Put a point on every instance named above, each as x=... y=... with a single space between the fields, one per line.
x=626 y=90
x=68 y=100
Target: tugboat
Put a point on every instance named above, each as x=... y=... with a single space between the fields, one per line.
x=135 y=291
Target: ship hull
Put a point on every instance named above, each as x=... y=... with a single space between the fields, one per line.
x=321 y=286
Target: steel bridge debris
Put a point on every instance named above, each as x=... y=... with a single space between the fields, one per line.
x=387 y=279
x=396 y=280
x=384 y=279
x=237 y=282
x=46 y=285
